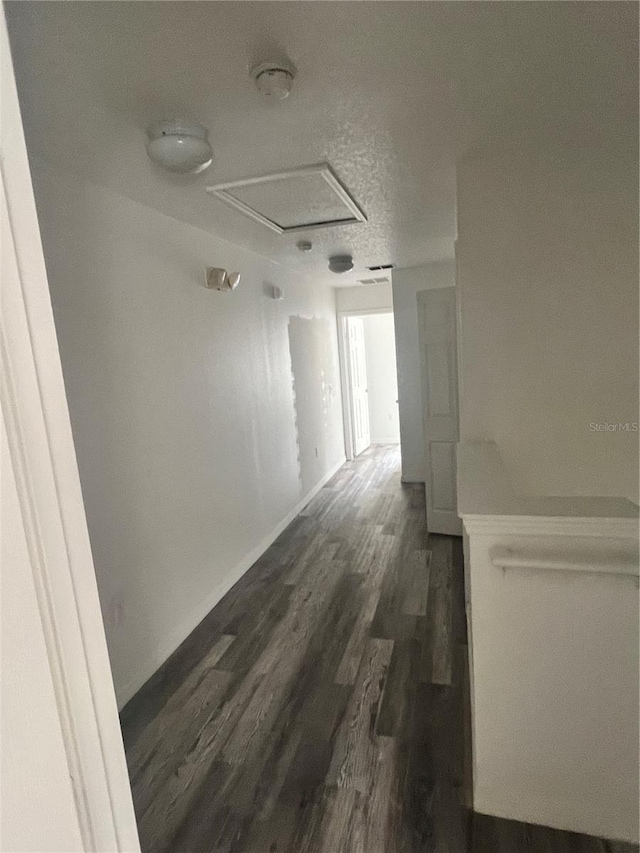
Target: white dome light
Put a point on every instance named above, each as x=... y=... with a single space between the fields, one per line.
x=179 y=147
x=341 y=263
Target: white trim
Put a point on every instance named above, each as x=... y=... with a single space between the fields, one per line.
x=222 y=191
x=43 y=458
x=345 y=386
x=180 y=634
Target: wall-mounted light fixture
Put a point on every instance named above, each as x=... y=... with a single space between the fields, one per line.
x=219 y=279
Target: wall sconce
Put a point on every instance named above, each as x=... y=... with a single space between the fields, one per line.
x=219 y=279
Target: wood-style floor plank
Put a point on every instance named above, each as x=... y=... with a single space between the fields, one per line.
x=354 y=651
x=355 y=753
x=441 y=588
x=323 y=705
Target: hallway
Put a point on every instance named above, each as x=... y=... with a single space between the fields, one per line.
x=320 y=707
x=288 y=721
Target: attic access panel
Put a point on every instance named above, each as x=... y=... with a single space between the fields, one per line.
x=298 y=200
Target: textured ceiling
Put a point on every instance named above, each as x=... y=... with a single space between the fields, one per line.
x=389 y=93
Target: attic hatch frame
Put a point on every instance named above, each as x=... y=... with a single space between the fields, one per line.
x=324 y=170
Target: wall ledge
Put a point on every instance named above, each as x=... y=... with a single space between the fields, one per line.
x=489 y=504
x=523 y=525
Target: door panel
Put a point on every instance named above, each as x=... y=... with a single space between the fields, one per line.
x=443 y=476
x=440 y=393
x=437 y=331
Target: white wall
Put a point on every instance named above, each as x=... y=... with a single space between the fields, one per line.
x=558 y=647
x=382 y=378
x=548 y=287
x=406 y=285
x=371 y=297
x=555 y=658
x=201 y=419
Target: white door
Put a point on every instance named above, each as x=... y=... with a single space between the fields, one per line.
x=437 y=331
x=358 y=383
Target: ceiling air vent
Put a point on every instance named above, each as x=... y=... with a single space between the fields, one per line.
x=377 y=280
x=310 y=197
x=381 y=267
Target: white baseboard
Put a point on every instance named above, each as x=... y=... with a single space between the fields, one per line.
x=163 y=652
x=617 y=819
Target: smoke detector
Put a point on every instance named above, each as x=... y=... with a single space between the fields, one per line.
x=341 y=263
x=179 y=146
x=274 y=79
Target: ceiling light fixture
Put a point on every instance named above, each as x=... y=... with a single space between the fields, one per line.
x=304 y=245
x=179 y=147
x=274 y=78
x=341 y=263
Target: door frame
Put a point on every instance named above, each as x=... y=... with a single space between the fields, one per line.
x=345 y=374
x=43 y=458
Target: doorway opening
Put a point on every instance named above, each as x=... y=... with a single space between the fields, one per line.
x=369 y=380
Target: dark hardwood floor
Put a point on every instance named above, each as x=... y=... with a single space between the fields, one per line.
x=322 y=706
